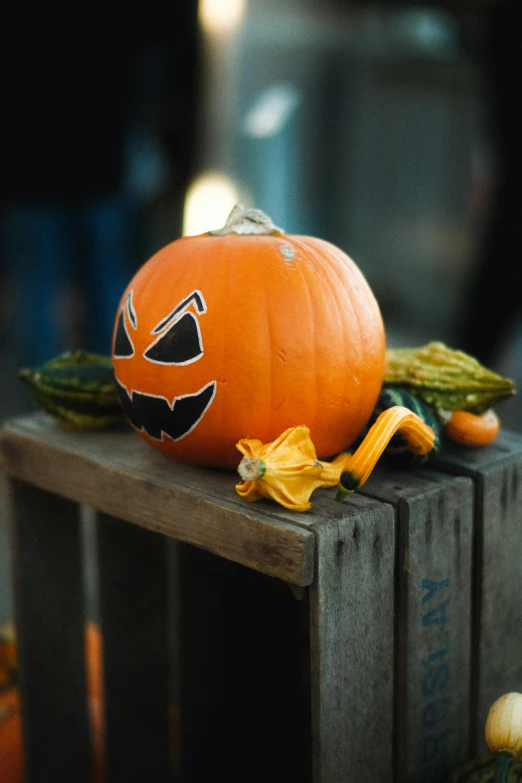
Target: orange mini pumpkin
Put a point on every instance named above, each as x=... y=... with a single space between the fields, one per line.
x=244 y=332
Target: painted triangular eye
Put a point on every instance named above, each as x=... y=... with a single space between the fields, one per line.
x=123 y=347
x=180 y=344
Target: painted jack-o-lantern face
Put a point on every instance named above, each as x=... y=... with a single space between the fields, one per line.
x=175 y=341
x=243 y=333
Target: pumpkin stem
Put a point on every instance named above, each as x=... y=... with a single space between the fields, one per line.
x=503 y=759
x=419 y=436
x=246 y=222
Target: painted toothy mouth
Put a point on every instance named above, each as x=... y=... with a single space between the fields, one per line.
x=158 y=417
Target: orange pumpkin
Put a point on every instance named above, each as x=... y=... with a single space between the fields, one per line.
x=242 y=333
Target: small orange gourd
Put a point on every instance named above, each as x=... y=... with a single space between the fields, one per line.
x=472 y=429
x=245 y=332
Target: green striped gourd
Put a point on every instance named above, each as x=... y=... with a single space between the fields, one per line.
x=77 y=389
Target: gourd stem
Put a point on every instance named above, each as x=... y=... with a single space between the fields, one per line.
x=503 y=759
x=247 y=222
x=251 y=468
x=419 y=436
x=342 y=492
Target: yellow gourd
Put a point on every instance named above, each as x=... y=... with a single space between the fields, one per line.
x=288 y=471
x=504 y=731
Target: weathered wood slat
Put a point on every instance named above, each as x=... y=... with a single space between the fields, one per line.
x=133 y=613
x=433 y=619
x=496 y=471
x=351 y=645
x=117 y=473
x=49 y=607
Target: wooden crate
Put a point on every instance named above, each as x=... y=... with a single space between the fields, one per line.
x=357 y=641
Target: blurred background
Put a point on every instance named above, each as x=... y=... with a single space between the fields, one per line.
x=387 y=128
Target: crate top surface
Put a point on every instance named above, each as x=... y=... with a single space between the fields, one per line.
x=116 y=472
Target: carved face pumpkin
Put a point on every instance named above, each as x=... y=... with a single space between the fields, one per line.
x=175 y=342
x=234 y=334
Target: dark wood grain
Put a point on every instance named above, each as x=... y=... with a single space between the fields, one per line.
x=351 y=646
x=496 y=471
x=433 y=619
x=117 y=473
x=133 y=613
x=49 y=607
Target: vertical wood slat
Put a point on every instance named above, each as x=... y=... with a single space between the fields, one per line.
x=133 y=616
x=204 y=718
x=351 y=647
x=245 y=711
x=433 y=619
x=49 y=613
x=497 y=647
